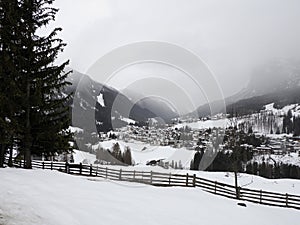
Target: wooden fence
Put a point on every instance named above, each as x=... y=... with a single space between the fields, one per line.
x=169 y=179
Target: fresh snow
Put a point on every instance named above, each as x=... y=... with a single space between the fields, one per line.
x=219 y=123
x=53 y=198
x=293 y=107
x=290 y=159
x=100 y=99
x=127 y=120
x=83 y=157
x=291 y=186
x=75 y=129
x=142 y=152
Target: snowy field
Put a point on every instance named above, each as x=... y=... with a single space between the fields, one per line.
x=53 y=198
x=291 y=186
x=291 y=158
x=143 y=152
x=219 y=123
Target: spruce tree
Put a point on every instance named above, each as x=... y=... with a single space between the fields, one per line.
x=46 y=116
x=127 y=156
x=43 y=116
x=297 y=126
x=197 y=159
x=9 y=75
x=117 y=153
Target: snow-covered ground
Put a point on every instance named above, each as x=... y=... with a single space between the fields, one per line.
x=295 y=109
x=291 y=186
x=127 y=120
x=83 y=157
x=290 y=159
x=100 y=100
x=75 y=129
x=261 y=122
x=219 y=123
x=53 y=198
x=223 y=123
x=143 y=152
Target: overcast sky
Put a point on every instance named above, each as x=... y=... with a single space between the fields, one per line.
x=231 y=36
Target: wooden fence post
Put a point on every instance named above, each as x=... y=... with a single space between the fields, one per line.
x=43 y=165
x=237 y=190
x=106 y=172
x=170 y=179
x=215 y=187
x=134 y=175
x=91 y=170
x=120 y=175
x=97 y=171
x=51 y=165
x=194 y=180
x=187 y=180
x=287 y=200
x=260 y=196
x=66 y=167
x=151 y=176
x=80 y=168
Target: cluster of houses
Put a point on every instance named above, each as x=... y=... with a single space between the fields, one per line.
x=166 y=136
x=154 y=136
x=280 y=145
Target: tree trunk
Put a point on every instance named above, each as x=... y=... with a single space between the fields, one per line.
x=10 y=160
x=236 y=185
x=27 y=138
x=2 y=155
x=27 y=157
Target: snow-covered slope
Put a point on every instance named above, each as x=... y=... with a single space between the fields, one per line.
x=291 y=186
x=53 y=198
x=83 y=157
x=219 y=123
x=295 y=109
x=269 y=118
x=290 y=159
x=143 y=152
x=92 y=99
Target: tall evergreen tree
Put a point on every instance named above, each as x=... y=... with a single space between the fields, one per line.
x=9 y=74
x=297 y=126
x=43 y=117
x=197 y=158
x=127 y=156
x=46 y=112
x=116 y=152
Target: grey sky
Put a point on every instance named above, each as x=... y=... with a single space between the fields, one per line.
x=231 y=36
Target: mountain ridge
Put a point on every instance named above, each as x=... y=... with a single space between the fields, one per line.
x=276 y=81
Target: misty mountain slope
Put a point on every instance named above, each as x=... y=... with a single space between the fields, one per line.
x=95 y=101
x=276 y=81
x=255 y=104
x=273 y=76
x=159 y=107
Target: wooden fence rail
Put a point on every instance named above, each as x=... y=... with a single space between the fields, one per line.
x=169 y=179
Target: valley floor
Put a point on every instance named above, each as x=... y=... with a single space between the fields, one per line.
x=53 y=198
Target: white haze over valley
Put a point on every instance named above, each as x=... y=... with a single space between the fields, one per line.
x=232 y=37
